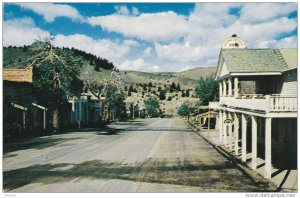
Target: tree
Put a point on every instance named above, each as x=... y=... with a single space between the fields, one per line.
x=162 y=95
x=152 y=106
x=207 y=90
x=129 y=92
x=187 y=93
x=183 y=93
x=184 y=110
x=178 y=87
x=55 y=76
x=107 y=88
x=173 y=86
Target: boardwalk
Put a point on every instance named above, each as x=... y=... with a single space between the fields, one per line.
x=152 y=155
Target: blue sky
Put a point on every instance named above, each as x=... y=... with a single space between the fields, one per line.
x=152 y=36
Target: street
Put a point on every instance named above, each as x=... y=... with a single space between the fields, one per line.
x=149 y=155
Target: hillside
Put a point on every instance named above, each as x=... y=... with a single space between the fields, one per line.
x=17 y=57
x=187 y=79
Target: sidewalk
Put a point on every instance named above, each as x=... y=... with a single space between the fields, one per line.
x=282 y=180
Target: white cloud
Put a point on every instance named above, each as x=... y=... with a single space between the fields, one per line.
x=180 y=52
x=288 y=42
x=135 y=11
x=173 y=42
x=163 y=26
x=103 y=47
x=136 y=64
x=123 y=10
x=21 y=31
x=130 y=42
x=148 y=51
x=252 y=12
x=50 y=11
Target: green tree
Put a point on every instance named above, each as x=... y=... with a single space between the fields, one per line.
x=55 y=76
x=178 y=87
x=152 y=106
x=184 y=109
x=207 y=90
x=108 y=88
x=162 y=95
x=183 y=93
x=187 y=93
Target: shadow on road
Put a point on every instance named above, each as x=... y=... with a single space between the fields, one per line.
x=215 y=178
x=36 y=143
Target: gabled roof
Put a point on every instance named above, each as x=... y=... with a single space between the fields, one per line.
x=253 y=60
x=256 y=61
x=290 y=57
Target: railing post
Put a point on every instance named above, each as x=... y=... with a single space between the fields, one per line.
x=269 y=103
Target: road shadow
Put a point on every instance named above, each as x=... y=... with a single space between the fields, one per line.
x=36 y=143
x=211 y=178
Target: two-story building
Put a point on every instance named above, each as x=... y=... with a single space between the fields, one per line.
x=258 y=104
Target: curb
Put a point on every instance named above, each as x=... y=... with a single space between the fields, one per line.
x=254 y=176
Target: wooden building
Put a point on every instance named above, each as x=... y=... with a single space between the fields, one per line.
x=258 y=104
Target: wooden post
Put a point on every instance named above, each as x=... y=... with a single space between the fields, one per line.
x=220 y=128
x=230 y=141
x=236 y=87
x=244 y=138
x=224 y=88
x=132 y=110
x=268 y=149
x=44 y=119
x=24 y=120
x=220 y=89
x=224 y=129
x=208 y=132
x=229 y=87
x=236 y=134
x=254 y=142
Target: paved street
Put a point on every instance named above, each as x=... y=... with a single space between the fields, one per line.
x=152 y=155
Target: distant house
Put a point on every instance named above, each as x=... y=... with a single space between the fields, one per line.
x=83 y=111
x=22 y=114
x=20 y=111
x=258 y=104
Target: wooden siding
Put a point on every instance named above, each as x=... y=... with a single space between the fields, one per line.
x=290 y=83
x=18 y=75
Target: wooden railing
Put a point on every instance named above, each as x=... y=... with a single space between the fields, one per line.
x=280 y=103
x=259 y=102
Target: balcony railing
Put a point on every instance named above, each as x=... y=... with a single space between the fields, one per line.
x=259 y=102
x=283 y=103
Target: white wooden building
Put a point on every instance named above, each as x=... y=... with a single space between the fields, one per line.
x=258 y=104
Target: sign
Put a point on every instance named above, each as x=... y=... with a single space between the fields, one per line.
x=227 y=121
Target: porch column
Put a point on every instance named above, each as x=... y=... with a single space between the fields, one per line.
x=221 y=128
x=268 y=148
x=224 y=88
x=254 y=142
x=236 y=134
x=220 y=89
x=229 y=87
x=224 y=129
x=244 y=138
x=236 y=87
x=230 y=138
x=44 y=111
x=24 y=119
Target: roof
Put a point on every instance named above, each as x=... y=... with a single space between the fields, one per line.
x=290 y=57
x=253 y=60
x=18 y=75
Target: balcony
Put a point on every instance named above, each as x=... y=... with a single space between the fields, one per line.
x=258 y=102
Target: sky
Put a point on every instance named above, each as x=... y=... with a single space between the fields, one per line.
x=152 y=37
